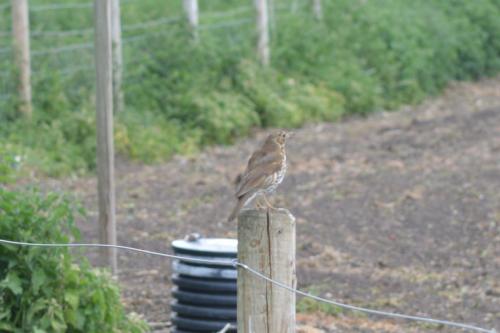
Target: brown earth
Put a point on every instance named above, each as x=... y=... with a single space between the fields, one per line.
x=398 y=211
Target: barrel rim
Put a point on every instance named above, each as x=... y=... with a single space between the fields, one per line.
x=207 y=245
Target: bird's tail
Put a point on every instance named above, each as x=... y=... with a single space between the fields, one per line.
x=241 y=202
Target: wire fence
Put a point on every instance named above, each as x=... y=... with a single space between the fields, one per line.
x=63 y=33
x=59 y=6
x=55 y=45
x=232 y=12
x=234 y=263
x=62 y=49
x=227 y=24
x=63 y=6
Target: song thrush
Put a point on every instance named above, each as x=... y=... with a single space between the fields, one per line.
x=265 y=171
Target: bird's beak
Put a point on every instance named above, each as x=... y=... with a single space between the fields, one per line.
x=290 y=134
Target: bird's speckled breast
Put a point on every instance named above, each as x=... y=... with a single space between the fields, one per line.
x=278 y=177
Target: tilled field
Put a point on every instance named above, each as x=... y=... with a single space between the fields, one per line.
x=397 y=211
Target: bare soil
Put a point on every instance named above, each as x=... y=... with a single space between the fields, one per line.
x=398 y=211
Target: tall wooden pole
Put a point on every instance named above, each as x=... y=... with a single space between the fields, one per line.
x=191 y=8
x=21 y=37
x=116 y=37
x=272 y=17
x=104 y=113
x=318 y=11
x=263 y=51
x=266 y=242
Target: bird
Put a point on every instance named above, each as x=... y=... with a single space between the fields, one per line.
x=265 y=170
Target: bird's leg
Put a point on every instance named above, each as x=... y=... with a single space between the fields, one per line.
x=268 y=204
x=258 y=203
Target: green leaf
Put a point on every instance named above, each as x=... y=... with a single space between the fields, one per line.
x=71 y=297
x=4 y=314
x=38 y=279
x=11 y=247
x=80 y=320
x=6 y=327
x=70 y=316
x=38 y=305
x=58 y=325
x=12 y=282
x=38 y=330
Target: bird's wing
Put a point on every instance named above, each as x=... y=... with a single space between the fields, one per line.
x=256 y=156
x=262 y=158
x=257 y=178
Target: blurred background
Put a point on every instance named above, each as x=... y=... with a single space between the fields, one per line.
x=180 y=95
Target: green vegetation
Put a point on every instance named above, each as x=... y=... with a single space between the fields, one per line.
x=308 y=305
x=44 y=290
x=364 y=56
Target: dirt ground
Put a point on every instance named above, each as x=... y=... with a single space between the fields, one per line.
x=399 y=211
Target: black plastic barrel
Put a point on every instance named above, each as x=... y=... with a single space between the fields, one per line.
x=204 y=295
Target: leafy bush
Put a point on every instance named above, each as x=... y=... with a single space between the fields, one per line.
x=283 y=101
x=180 y=94
x=43 y=289
x=10 y=162
x=64 y=144
x=149 y=137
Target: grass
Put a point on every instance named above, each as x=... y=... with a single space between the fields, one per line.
x=364 y=56
x=307 y=305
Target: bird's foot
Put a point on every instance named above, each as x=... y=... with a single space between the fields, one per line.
x=268 y=204
x=274 y=209
x=259 y=205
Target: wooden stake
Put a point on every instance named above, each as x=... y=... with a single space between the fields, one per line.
x=116 y=37
x=272 y=17
x=266 y=242
x=104 y=112
x=21 y=36
x=318 y=11
x=191 y=8
x=263 y=51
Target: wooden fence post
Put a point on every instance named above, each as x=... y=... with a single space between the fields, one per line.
x=266 y=242
x=116 y=37
x=263 y=51
x=104 y=114
x=21 y=37
x=191 y=8
x=272 y=17
x=318 y=11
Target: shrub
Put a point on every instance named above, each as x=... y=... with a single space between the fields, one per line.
x=286 y=101
x=43 y=289
x=10 y=162
x=149 y=137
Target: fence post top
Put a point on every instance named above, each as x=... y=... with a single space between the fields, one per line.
x=262 y=213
